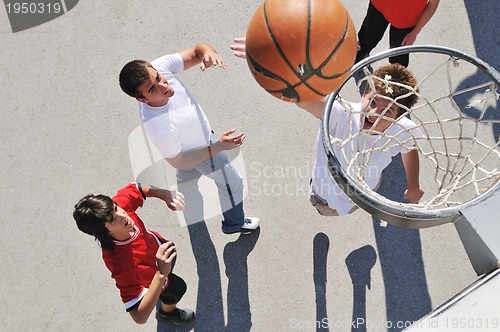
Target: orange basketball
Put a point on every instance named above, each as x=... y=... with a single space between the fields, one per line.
x=300 y=50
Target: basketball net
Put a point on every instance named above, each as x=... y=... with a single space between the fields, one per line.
x=456 y=132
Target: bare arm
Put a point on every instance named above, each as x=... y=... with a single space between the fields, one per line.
x=188 y=159
x=425 y=17
x=164 y=257
x=315 y=108
x=173 y=199
x=202 y=54
x=411 y=164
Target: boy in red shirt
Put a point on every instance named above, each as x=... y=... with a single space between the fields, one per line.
x=406 y=17
x=140 y=260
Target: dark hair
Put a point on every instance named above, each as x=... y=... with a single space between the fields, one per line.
x=91 y=214
x=398 y=74
x=133 y=75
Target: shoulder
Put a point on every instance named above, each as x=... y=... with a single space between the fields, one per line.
x=339 y=114
x=407 y=126
x=407 y=123
x=340 y=108
x=133 y=188
x=169 y=63
x=130 y=197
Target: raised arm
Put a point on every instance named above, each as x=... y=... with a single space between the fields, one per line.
x=203 y=54
x=315 y=108
x=411 y=164
x=173 y=199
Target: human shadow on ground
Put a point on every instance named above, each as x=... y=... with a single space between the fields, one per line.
x=399 y=249
x=209 y=303
x=321 y=245
x=236 y=261
x=400 y=253
x=359 y=264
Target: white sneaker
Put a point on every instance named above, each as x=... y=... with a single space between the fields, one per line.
x=249 y=224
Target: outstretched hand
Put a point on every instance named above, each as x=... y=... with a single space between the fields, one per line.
x=177 y=201
x=229 y=142
x=173 y=199
x=211 y=59
x=239 y=47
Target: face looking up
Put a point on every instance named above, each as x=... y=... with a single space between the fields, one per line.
x=375 y=115
x=157 y=91
x=119 y=224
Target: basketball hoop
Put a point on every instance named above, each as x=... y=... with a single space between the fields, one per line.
x=459 y=152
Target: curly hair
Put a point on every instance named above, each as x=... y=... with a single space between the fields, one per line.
x=91 y=214
x=133 y=75
x=395 y=73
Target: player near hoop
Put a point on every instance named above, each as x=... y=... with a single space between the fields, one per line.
x=140 y=260
x=380 y=122
x=380 y=128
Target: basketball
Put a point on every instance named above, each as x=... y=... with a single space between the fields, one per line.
x=300 y=50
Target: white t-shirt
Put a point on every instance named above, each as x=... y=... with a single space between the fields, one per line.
x=181 y=124
x=400 y=137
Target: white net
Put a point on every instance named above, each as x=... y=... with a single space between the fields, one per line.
x=455 y=127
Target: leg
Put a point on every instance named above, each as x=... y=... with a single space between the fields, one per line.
x=321 y=205
x=230 y=188
x=371 y=32
x=173 y=293
x=166 y=308
x=396 y=37
x=169 y=298
x=187 y=183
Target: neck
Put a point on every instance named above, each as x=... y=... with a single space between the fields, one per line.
x=158 y=104
x=123 y=236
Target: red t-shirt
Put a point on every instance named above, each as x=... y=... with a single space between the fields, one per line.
x=133 y=262
x=401 y=13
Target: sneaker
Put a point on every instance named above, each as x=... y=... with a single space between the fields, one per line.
x=176 y=316
x=249 y=224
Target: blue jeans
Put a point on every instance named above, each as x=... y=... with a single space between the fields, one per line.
x=229 y=186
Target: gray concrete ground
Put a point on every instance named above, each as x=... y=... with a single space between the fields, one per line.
x=68 y=130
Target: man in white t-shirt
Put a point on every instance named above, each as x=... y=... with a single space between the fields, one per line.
x=370 y=137
x=180 y=130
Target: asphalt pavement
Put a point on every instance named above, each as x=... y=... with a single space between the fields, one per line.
x=68 y=130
